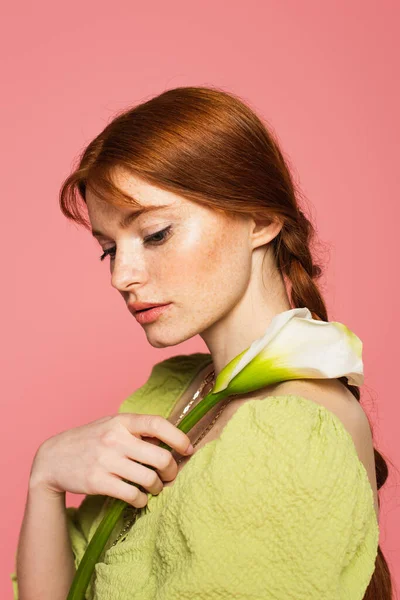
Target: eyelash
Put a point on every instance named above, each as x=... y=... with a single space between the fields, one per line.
x=148 y=240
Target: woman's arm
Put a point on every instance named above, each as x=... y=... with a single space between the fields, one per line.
x=45 y=562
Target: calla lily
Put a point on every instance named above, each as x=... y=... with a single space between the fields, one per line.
x=294 y=346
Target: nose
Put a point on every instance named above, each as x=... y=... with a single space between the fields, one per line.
x=125 y=273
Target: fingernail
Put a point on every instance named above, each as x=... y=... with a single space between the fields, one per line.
x=190 y=450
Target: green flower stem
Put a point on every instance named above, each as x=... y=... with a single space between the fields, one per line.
x=97 y=543
x=206 y=404
x=94 y=549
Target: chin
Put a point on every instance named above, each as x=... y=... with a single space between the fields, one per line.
x=164 y=339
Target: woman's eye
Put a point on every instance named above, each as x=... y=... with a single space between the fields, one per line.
x=109 y=251
x=164 y=233
x=150 y=239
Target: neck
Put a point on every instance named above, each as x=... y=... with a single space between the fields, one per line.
x=264 y=297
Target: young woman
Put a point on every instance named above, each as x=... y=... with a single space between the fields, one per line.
x=189 y=196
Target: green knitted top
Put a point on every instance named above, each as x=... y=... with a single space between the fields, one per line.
x=278 y=507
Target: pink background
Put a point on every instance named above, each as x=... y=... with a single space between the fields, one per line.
x=325 y=75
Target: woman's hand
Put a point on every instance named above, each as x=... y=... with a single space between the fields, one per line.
x=96 y=458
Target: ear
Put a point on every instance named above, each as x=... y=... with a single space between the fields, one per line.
x=263 y=231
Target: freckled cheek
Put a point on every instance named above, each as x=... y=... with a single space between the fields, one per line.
x=199 y=253
x=199 y=260
x=213 y=272
x=180 y=255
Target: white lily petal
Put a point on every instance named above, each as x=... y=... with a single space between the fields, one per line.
x=318 y=349
x=275 y=326
x=299 y=346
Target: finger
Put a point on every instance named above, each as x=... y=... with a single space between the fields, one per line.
x=117 y=488
x=141 y=475
x=157 y=426
x=149 y=454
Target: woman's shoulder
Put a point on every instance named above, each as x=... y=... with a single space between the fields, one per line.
x=282 y=479
x=283 y=433
x=300 y=403
x=298 y=429
x=337 y=399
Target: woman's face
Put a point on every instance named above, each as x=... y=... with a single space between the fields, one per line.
x=200 y=263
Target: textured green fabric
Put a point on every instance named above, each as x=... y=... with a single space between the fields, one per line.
x=278 y=507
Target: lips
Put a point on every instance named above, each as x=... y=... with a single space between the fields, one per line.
x=136 y=307
x=151 y=314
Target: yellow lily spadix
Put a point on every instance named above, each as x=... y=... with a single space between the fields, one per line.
x=294 y=346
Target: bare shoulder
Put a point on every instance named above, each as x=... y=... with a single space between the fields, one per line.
x=335 y=397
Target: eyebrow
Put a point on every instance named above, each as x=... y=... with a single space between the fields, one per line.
x=132 y=216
